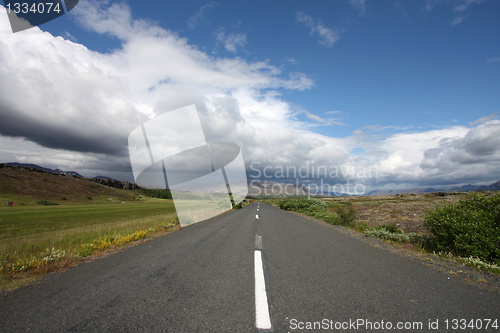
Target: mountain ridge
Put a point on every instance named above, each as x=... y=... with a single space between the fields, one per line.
x=38 y=167
x=259 y=188
x=106 y=181
x=464 y=188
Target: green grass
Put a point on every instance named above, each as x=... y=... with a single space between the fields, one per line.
x=34 y=236
x=28 y=220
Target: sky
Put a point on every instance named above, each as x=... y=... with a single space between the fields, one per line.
x=382 y=94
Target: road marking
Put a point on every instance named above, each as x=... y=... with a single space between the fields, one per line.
x=262 y=318
x=258 y=242
x=257 y=216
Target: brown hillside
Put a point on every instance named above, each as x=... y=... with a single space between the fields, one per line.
x=40 y=185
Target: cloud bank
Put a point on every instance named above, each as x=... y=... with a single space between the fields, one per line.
x=63 y=105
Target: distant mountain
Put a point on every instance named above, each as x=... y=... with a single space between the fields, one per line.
x=494 y=186
x=403 y=191
x=37 y=167
x=103 y=180
x=30 y=185
x=463 y=188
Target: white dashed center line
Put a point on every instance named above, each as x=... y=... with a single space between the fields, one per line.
x=262 y=317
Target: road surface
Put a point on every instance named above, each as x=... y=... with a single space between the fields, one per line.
x=249 y=270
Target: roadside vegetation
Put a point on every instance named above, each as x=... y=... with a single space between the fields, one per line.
x=317 y=208
x=466 y=229
x=35 y=240
x=469 y=229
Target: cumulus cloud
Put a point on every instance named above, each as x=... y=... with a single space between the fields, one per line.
x=328 y=36
x=61 y=95
x=231 y=42
x=438 y=157
x=63 y=105
x=481 y=145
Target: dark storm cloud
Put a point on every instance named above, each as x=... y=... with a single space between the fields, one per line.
x=90 y=137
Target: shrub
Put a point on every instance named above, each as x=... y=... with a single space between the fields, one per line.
x=383 y=232
x=303 y=205
x=347 y=217
x=319 y=209
x=392 y=228
x=419 y=240
x=470 y=228
x=393 y=233
x=386 y=234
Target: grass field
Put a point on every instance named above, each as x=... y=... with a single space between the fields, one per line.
x=38 y=239
x=29 y=220
x=58 y=220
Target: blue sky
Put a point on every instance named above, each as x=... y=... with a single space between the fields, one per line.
x=394 y=63
x=412 y=87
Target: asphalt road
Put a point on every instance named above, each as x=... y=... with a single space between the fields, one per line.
x=203 y=279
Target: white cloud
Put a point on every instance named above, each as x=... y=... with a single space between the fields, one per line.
x=320 y=121
x=485 y=119
x=327 y=36
x=199 y=16
x=66 y=106
x=474 y=156
x=61 y=95
x=231 y=42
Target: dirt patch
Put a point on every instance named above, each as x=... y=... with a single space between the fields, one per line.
x=407 y=211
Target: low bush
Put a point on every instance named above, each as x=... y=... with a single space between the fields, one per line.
x=470 y=228
x=347 y=217
x=303 y=205
x=393 y=233
x=392 y=228
x=472 y=262
x=319 y=209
